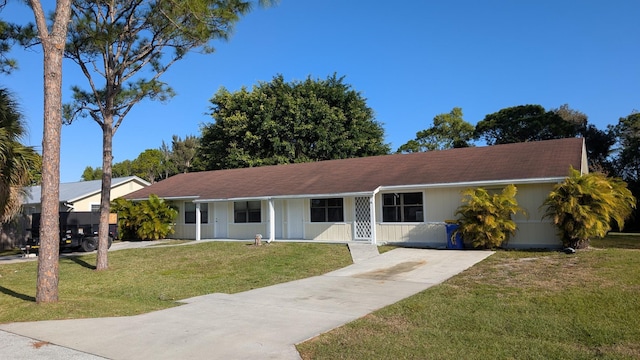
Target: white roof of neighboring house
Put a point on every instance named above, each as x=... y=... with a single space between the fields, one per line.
x=70 y=192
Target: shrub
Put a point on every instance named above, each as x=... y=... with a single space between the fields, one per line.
x=147 y=220
x=485 y=219
x=584 y=206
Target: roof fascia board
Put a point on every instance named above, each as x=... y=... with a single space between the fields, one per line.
x=279 y=197
x=190 y=197
x=552 y=180
x=234 y=199
x=140 y=180
x=125 y=180
x=83 y=196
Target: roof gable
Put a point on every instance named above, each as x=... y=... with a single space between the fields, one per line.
x=549 y=159
x=73 y=191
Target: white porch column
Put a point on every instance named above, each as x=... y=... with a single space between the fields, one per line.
x=198 y=219
x=372 y=211
x=272 y=221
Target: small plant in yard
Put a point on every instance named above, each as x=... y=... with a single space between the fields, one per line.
x=147 y=220
x=485 y=219
x=585 y=205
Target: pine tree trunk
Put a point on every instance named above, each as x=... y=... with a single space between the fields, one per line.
x=102 y=262
x=53 y=48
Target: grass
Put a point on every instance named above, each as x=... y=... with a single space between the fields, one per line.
x=143 y=280
x=618 y=241
x=513 y=305
x=9 y=252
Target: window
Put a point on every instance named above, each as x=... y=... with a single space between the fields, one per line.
x=327 y=210
x=190 y=213
x=95 y=207
x=403 y=207
x=246 y=212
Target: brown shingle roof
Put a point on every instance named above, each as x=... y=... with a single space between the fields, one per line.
x=530 y=160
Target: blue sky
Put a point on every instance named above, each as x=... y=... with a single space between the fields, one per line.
x=411 y=60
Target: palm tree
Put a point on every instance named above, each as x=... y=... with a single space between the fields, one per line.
x=584 y=206
x=486 y=218
x=16 y=160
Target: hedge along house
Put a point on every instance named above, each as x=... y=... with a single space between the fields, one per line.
x=401 y=198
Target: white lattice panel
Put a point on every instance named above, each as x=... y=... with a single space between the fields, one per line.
x=363 y=218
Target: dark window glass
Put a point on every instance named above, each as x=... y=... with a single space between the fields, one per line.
x=389 y=199
x=190 y=213
x=402 y=207
x=413 y=213
x=412 y=199
x=246 y=212
x=317 y=215
x=327 y=210
x=390 y=214
x=335 y=214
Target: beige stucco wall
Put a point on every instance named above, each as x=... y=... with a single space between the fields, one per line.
x=442 y=203
x=342 y=231
x=188 y=231
x=328 y=231
x=439 y=205
x=247 y=231
x=208 y=231
x=84 y=204
x=428 y=234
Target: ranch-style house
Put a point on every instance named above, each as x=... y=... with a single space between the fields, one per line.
x=391 y=199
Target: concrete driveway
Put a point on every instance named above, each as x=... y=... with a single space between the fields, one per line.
x=263 y=323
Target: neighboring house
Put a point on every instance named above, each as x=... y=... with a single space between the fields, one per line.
x=83 y=195
x=75 y=196
x=402 y=198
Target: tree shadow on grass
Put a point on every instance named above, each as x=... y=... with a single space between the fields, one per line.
x=80 y=262
x=10 y=292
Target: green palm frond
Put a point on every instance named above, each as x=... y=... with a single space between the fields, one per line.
x=16 y=160
x=485 y=219
x=584 y=206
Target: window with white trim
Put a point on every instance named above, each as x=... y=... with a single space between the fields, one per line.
x=247 y=212
x=190 y=213
x=402 y=207
x=327 y=210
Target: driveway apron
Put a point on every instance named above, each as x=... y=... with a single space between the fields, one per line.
x=263 y=323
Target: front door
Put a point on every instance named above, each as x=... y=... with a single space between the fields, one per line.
x=221 y=220
x=295 y=219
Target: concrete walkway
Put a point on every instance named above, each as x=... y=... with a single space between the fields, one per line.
x=263 y=323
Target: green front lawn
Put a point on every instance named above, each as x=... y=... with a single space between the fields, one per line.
x=513 y=305
x=143 y=280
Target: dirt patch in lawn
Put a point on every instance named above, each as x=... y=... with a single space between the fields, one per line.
x=535 y=272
